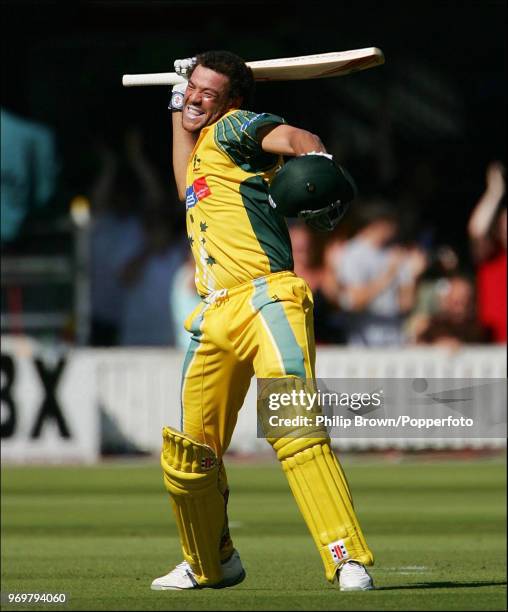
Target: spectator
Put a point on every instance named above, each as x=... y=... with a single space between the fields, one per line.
x=304 y=255
x=146 y=318
x=29 y=171
x=377 y=280
x=307 y=264
x=455 y=321
x=487 y=234
x=116 y=235
x=443 y=264
x=133 y=256
x=330 y=324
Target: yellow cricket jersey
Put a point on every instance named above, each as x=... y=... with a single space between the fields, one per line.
x=234 y=234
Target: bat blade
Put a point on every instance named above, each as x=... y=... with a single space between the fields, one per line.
x=318 y=66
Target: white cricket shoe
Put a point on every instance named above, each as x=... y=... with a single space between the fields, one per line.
x=354 y=577
x=182 y=577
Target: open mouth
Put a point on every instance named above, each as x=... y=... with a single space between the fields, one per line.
x=193 y=112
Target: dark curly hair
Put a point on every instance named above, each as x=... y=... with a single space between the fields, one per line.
x=241 y=79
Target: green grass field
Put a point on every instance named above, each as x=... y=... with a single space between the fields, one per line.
x=102 y=534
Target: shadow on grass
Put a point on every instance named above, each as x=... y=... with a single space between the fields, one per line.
x=443 y=585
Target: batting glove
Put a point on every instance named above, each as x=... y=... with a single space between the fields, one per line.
x=328 y=155
x=183 y=66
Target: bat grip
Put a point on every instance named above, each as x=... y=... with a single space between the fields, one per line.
x=157 y=78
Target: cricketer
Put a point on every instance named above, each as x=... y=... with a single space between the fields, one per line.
x=255 y=318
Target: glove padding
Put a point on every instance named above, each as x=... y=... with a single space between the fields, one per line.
x=322 y=153
x=183 y=66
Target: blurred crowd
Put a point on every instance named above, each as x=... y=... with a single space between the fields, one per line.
x=374 y=284
x=134 y=251
x=371 y=286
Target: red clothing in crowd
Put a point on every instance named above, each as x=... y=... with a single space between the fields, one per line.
x=491 y=291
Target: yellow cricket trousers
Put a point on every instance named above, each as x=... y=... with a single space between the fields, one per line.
x=262 y=327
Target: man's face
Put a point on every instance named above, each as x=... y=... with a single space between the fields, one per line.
x=206 y=99
x=458 y=300
x=385 y=231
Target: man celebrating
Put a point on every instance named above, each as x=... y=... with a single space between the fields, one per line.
x=255 y=318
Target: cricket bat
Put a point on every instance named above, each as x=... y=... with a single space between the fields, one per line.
x=320 y=66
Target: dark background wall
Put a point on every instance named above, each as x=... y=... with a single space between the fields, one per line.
x=419 y=130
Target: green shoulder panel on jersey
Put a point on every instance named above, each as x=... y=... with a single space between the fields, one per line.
x=235 y=135
x=270 y=228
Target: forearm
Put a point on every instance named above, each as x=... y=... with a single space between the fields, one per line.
x=303 y=142
x=149 y=179
x=483 y=214
x=330 y=287
x=407 y=297
x=359 y=297
x=289 y=140
x=183 y=144
x=102 y=191
x=480 y=223
x=485 y=209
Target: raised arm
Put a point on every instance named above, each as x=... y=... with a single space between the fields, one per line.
x=183 y=141
x=102 y=188
x=151 y=184
x=289 y=140
x=183 y=144
x=359 y=288
x=484 y=212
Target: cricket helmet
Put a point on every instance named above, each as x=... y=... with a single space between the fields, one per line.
x=313 y=187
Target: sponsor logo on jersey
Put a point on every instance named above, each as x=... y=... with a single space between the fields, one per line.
x=199 y=190
x=338 y=550
x=250 y=121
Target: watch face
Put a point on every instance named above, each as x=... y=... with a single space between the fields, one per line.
x=177 y=99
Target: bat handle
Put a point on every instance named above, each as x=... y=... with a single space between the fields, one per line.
x=157 y=78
